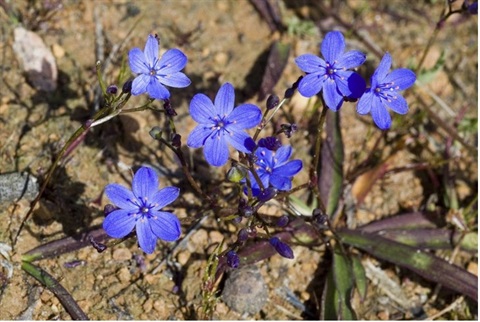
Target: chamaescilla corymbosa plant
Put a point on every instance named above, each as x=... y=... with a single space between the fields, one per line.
x=261 y=167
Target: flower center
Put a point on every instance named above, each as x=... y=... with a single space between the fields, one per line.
x=152 y=72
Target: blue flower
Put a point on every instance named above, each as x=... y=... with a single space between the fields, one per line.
x=140 y=208
x=156 y=72
x=332 y=75
x=220 y=124
x=384 y=93
x=274 y=169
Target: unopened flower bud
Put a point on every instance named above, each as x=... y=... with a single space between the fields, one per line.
x=232 y=259
x=242 y=235
x=271 y=142
x=246 y=211
x=272 y=101
x=176 y=140
x=236 y=174
x=156 y=133
x=283 y=221
x=112 y=89
x=127 y=87
x=168 y=108
x=290 y=91
x=281 y=248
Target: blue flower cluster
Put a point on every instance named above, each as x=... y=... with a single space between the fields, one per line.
x=333 y=78
x=222 y=126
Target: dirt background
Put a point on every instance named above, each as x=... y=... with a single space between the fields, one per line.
x=224 y=41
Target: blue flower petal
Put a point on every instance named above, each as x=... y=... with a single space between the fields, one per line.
x=140 y=84
x=202 y=109
x=151 y=50
x=402 y=78
x=380 y=115
x=165 y=225
x=164 y=197
x=333 y=46
x=351 y=59
x=121 y=197
x=172 y=61
x=137 y=60
x=241 y=141
x=310 y=63
x=365 y=103
x=224 y=100
x=119 y=223
x=311 y=84
x=382 y=70
x=197 y=137
x=156 y=90
x=178 y=80
x=245 y=116
x=146 y=239
x=216 y=150
x=289 y=169
x=356 y=85
x=145 y=183
x=398 y=104
x=283 y=154
x=281 y=183
x=333 y=99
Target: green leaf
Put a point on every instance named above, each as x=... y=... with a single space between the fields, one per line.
x=360 y=277
x=424 y=264
x=330 y=170
x=343 y=278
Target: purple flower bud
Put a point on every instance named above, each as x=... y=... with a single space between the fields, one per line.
x=168 y=108
x=112 y=89
x=127 y=87
x=242 y=235
x=272 y=101
x=232 y=259
x=267 y=194
x=176 y=140
x=271 y=142
x=281 y=248
x=108 y=209
x=246 y=211
x=283 y=221
x=290 y=91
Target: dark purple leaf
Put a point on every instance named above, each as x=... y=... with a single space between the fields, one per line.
x=270 y=12
x=276 y=62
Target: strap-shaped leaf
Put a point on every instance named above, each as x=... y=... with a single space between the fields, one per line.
x=426 y=265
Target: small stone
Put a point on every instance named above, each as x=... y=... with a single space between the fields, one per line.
x=148 y=305
x=122 y=254
x=36 y=58
x=124 y=275
x=245 y=290
x=58 y=51
x=14 y=186
x=221 y=59
x=160 y=307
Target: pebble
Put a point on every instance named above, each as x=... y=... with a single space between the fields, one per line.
x=122 y=254
x=245 y=290
x=14 y=186
x=37 y=60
